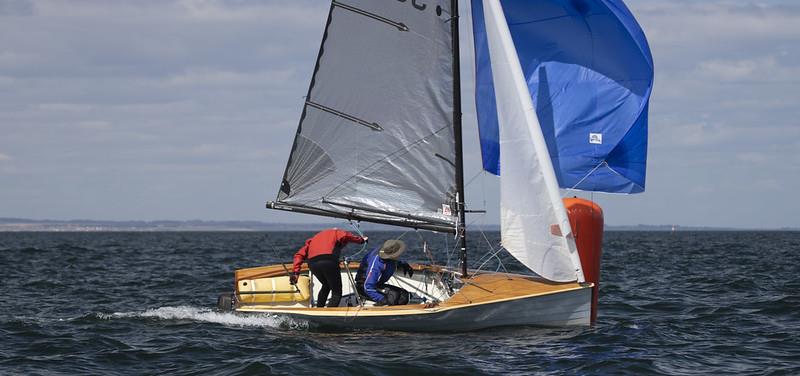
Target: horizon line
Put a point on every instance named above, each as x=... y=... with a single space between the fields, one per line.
x=10 y=221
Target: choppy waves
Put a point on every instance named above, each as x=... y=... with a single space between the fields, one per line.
x=684 y=303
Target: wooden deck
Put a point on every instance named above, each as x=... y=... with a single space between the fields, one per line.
x=494 y=287
x=479 y=289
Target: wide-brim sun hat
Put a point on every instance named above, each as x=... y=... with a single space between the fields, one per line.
x=392 y=249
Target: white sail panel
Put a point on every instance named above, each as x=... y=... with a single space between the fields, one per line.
x=534 y=224
x=375 y=140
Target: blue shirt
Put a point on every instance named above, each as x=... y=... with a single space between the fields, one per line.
x=377 y=271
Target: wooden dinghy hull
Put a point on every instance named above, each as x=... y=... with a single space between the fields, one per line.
x=570 y=308
x=484 y=301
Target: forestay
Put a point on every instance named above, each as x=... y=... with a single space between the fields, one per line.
x=589 y=71
x=534 y=224
x=375 y=140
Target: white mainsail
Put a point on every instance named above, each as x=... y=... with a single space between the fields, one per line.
x=534 y=224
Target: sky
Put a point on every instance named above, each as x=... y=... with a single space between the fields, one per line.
x=186 y=109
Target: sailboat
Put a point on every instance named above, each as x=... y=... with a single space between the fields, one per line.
x=561 y=89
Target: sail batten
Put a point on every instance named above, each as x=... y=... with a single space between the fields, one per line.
x=399 y=25
x=376 y=135
x=373 y=126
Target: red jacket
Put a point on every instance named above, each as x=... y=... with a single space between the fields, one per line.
x=325 y=242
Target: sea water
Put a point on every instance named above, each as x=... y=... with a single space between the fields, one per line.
x=691 y=303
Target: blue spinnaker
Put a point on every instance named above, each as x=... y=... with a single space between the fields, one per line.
x=590 y=74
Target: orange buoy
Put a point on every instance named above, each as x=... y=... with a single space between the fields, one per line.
x=586 y=219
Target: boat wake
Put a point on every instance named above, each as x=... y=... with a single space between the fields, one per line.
x=188 y=313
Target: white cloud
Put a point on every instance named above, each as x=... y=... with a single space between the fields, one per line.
x=16 y=8
x=766 y=104
x=64 y=107
x=769 y=185
x=4 y=157
x=697 y=134
x=754 y=158
x=281 y=13
x=702 y=189
x=759 y=69
x=12 y=59
x=209 y=77
x=94 y=125
x=220 y=10
x=205 y=150
x=735 y=70
x=692 y=22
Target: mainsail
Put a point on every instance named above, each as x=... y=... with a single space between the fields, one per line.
x=589 y=72
x=376 y=140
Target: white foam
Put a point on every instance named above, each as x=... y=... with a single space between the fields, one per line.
x=208 y=315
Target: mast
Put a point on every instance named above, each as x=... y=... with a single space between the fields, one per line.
x=461 y=230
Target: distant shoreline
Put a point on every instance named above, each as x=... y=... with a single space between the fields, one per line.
x=31 y=225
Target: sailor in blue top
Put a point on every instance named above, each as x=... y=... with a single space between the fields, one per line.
x=376 y=268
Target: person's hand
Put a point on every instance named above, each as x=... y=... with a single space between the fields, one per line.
x=366 y=239
x=407 y=269
x=293 y=278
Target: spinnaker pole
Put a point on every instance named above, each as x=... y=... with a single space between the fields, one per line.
x=461 y=230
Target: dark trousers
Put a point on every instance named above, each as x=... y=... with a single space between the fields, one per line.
x=394 y=295
x=326 y=269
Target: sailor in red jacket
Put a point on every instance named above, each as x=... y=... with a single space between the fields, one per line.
x=322 y=252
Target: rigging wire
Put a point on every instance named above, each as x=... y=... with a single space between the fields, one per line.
x=347 y=259
x=472 y=179
x=451 y=251
x=356 y=227
x=447 y=250
x=492 y=253
x=574 y=187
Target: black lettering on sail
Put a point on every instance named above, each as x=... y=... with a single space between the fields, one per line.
x=417 y=6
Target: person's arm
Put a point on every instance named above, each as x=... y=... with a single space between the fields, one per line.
x=300 y=256
x=348 y=237
x=407 y=269
x=371 y=283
